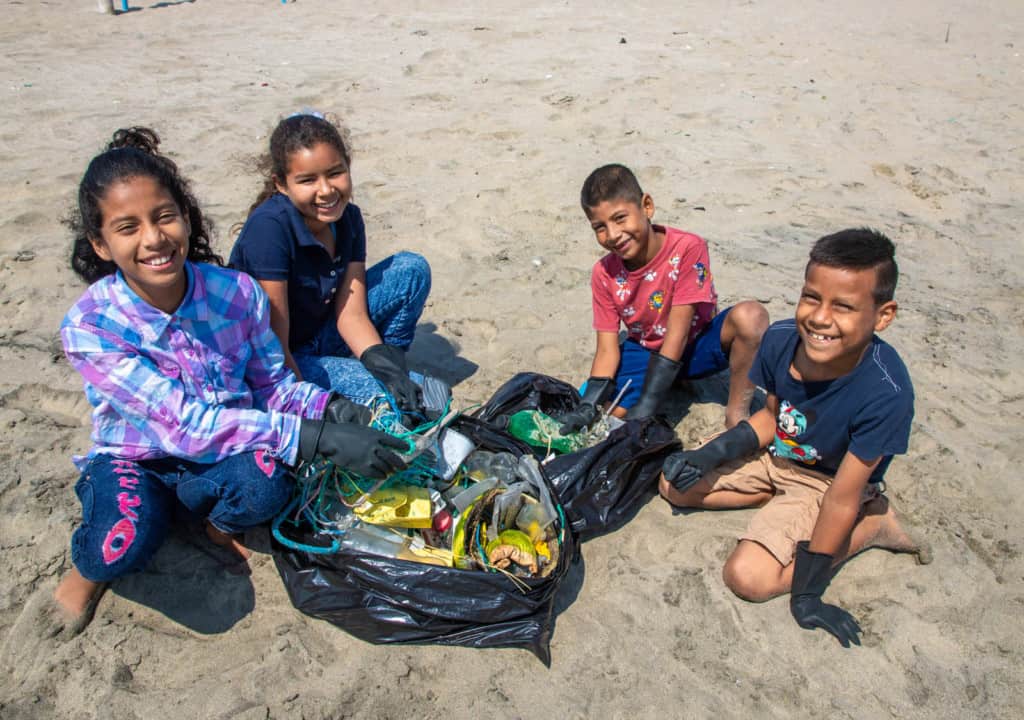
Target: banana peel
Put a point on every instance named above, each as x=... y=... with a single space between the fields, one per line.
x=512 y=546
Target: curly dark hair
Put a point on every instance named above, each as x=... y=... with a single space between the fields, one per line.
x=302 y=131
x=132 y=152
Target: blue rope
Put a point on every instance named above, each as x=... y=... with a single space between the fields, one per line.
x=289 y=543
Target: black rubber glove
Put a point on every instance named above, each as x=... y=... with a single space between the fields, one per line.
x=599 y=391
x=360 y=449
x=342 y=410
x=811 y=574
x=661 y=373
x=683 y=469
x=387 y=364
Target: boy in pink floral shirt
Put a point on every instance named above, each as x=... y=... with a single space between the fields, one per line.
x=656 y=280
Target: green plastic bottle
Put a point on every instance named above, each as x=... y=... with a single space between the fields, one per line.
x=541 y=431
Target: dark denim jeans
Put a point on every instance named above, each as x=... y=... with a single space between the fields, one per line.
x=396 y=291
x=128 y=506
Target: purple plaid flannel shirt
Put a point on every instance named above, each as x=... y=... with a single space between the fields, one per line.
x=205 y=383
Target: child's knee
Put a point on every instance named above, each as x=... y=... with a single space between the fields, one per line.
x=102 y=554
x=750 y=319
x=416 y=269
x=688 y=499
x=250 y=495
x=749 y=578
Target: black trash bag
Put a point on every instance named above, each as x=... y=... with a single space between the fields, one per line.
x=385 y=600
x=602 y=487
x=528 y=391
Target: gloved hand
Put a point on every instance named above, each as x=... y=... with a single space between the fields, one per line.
x=811 y=574
x=599 y=391
x=360 y=449
x=387 y=364
x=661 y=373
x=342 y=410
x=683 y=469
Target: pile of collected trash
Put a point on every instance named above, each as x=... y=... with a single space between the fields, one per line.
x=468 y=543
x=454 y=504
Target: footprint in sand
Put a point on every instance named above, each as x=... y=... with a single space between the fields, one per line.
x=549 y=356
x=61 y=407
x=484 y=330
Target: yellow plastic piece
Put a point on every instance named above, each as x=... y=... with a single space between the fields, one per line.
x=401 y=506
x=428 y=555
x=459 y=558
x=542 y=550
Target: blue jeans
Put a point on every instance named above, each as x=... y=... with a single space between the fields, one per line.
x=128 y=506
x=396 y=291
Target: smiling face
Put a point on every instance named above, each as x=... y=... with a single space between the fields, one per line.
x=836 y=318
x=318 y=183
x=145 y=234
x=624 y=228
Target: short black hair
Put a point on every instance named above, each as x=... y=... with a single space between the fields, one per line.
x=860 y=249
x=610 y=182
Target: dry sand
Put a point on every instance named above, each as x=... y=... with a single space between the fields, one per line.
x=759 y=125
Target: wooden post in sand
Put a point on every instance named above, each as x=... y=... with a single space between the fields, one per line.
x=106 y=6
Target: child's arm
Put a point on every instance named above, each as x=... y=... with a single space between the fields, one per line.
x=274 y=386
x=841 y=504
x=277 y=292
x=812 y=567
x=385 y=362
x=684 y=469
x=351 y=311
x=600 y=385
x=606 y=355
x=663 y=366
x=159 y=411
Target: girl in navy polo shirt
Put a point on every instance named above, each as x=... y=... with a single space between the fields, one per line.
x=304 y=242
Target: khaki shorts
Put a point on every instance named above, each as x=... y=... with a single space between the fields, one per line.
x=792 y=512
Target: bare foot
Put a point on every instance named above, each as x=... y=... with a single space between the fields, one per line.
x=53 y=613
x=232 y=543
x=890 y=533
x=74 y=602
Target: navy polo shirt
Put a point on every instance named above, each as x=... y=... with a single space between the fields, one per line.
x=867 y=412
x=276 y=244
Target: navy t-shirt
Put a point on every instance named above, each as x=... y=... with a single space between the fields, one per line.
x=867 y=412
x=276 y=244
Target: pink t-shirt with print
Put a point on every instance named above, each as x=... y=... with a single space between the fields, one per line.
x=680 y=274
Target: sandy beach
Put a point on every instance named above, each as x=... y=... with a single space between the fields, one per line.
x=757 y=125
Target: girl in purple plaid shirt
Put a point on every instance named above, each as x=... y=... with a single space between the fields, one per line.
x=192 y=402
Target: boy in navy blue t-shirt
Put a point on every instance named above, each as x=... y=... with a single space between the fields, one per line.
x=840 y=405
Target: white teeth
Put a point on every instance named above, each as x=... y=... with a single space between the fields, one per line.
x=157 y=261
x=816 y=336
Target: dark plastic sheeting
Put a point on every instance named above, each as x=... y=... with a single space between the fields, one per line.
x=602 y=487
x=385 y=600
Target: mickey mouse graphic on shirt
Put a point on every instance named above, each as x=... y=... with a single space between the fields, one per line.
x=790 y=424
x=703 y=274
